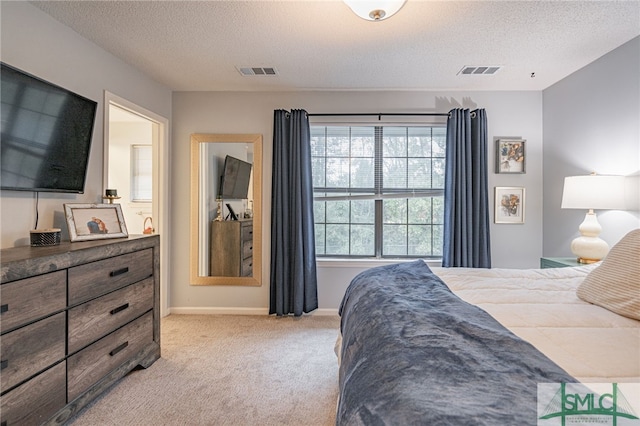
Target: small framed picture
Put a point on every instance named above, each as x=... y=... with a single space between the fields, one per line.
x=509 y=206
x=95 y=221
x=510 y=156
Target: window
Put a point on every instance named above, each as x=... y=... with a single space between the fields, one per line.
x=141 y=173
x=378 y=190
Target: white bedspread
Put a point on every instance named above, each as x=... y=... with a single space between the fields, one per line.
x=540 y=306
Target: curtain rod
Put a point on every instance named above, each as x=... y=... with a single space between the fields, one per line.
x=378 y=114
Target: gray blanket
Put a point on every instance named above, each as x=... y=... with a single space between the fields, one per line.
x=413 y=353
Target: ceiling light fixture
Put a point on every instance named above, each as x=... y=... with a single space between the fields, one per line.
x=375 y=10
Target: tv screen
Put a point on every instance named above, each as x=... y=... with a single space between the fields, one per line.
x=46 y=134
x=234 y=184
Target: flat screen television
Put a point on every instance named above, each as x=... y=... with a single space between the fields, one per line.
x=234 y=183
x=46 y=134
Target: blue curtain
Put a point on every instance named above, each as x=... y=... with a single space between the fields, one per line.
x=294 y=288
x=466 y=193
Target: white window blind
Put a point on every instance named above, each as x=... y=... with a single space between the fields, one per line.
x=141 y=173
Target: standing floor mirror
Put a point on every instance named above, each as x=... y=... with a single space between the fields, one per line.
x=226 y=209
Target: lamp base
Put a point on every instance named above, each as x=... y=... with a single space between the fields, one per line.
x=587 y=261
x=588 y=247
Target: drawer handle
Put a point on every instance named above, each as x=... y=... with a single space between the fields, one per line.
x=119 y=348
x=118 y=272
x=4 y=308
x=119 y=309
x=4 y=364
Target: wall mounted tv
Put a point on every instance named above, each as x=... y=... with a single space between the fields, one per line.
x=234 y=183
x=46 y=134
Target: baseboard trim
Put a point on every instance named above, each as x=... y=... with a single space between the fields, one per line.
x=219 y=311
x=325 y=312
x=239 y=311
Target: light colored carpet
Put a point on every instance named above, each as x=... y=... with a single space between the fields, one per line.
x=230 y=370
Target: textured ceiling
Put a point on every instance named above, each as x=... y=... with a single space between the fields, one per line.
x=322 y=45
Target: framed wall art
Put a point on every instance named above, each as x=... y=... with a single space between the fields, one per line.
x=95 y=221
x=510 y=156
x=509 y=207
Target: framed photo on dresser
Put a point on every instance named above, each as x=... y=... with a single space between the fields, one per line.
x=95 y=221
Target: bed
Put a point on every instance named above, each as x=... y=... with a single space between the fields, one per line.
x=447 y=346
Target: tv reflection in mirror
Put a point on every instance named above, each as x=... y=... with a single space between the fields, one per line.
x=234 y=182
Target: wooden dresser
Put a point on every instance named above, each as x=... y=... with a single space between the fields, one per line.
x=75 y=318
x=232 y=248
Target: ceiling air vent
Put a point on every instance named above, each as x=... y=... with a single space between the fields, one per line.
x=484 y=70
x=247 y=71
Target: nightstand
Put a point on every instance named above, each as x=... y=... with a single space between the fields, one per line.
x=559 y=262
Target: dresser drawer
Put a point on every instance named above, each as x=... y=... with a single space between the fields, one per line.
x=88 y=366
x=247 y=249
x=35 y=401
x=32 y=298
x=101 y=277
x=247 y=231
x=31 y=349
x=96 y=318
x=247 y=267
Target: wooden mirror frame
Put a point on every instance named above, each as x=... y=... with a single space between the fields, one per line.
x=256 y=140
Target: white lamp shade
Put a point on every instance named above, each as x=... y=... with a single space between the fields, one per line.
x=598 y=192
x=370 y=9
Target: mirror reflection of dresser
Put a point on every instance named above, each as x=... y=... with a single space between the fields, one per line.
x=231 y=248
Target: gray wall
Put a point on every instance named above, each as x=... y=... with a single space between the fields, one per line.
x=36 y=43
x=591 y=124
x=510 y=114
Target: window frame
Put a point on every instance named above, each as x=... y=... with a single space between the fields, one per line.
x=378 y=193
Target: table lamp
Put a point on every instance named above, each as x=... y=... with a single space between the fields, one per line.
x=592 y=192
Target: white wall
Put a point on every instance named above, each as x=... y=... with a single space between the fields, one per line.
x=510 y=114
x=591 y=124
x=123 y=135
x=36 y=43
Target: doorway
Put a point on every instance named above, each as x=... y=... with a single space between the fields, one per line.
x=136 y=165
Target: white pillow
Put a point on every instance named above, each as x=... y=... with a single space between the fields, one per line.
x=615 y=283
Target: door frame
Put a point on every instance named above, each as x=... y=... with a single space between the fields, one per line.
x=161 y=182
